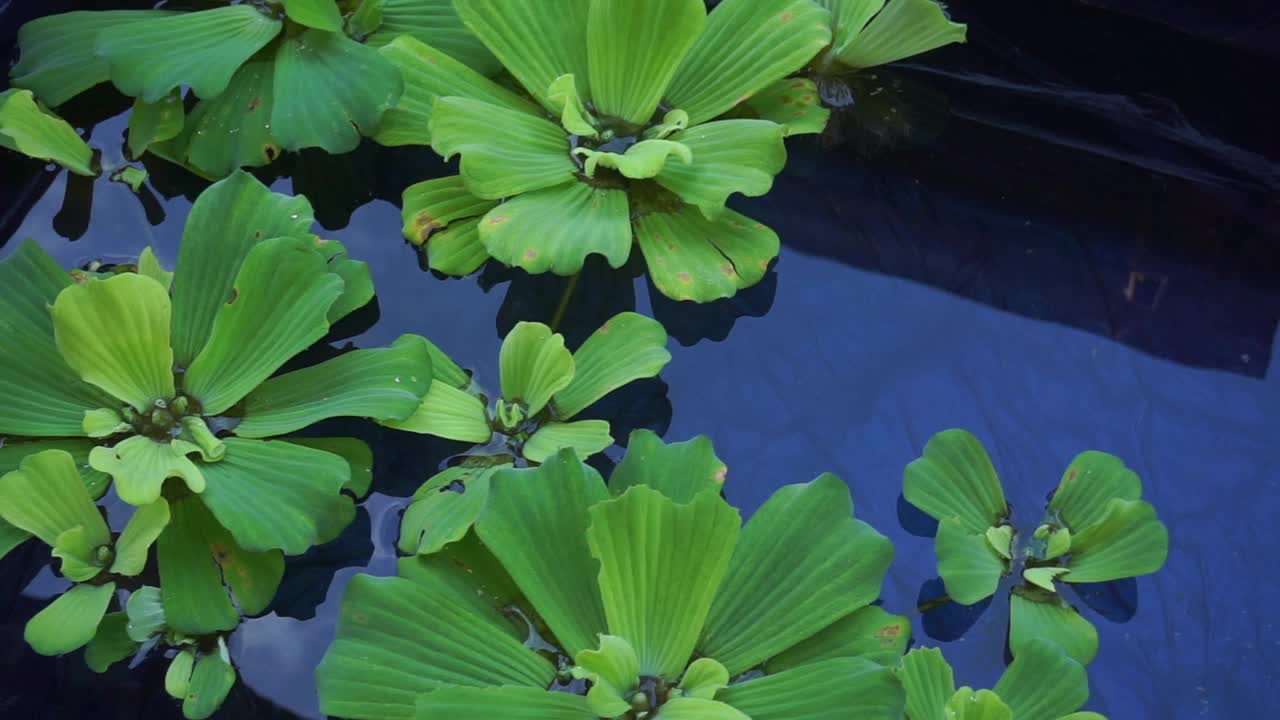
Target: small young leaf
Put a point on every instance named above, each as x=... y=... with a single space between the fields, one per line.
x=27 y=128
x=177 y=679
x=586 y=437
x=142 y=531
x=211 y=681
x=614 y=673
x=535 y=365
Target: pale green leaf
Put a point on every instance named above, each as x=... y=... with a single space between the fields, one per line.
x=46 y=497
x=231 y=130
x=929 y=683
x=679 y=470
x=534 y=364
x=535 y=42
x=587 y=437
x=1088 y=485
x=614 y=672
x=153 y=122
x=829 y=690
x=902 y=29
x=704 y=678
x=869 y=632
x=556 y=228
x=79 y=555
x=149 y=266
x=793 y=103
x=729 y=156
x=357 y=280
x=435 y=22
x=643 y=160
x=1043 y=577
x=693 y=258
x=633 y=49
x=530 y=153
x=968 y=704
x=110 y=644
x=105 y=422
x=70 y=621
x=439 y=205
x=692 y=708
x=321 y=14
x=140 y=465
x=1001 y=540
x=848 y=18
x=145 y=614
x=954 y=479
x=1043 y=682
x=507 y=703
x=574 y=115
x=27 y=128
x=1127 y=541
x=131 y=176
x=442 y=516
x=201 y=50
x=1050 y=618
x=449 y=413
x=177 y=679
x=211 y=682
x=13 y=453
x=135 y=542
x=970 y=568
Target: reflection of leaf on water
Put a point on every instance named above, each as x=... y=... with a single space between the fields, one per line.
x=881 y=109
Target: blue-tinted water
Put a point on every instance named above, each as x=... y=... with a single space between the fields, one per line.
x=1053 y=265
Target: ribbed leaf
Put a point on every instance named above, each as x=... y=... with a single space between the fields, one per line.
x=534 y=364
x=330 y=90
x=614 y=673
x=687 y=708
x=78 y=555
x=1051 y=619
x=357 y=454
x=233 y=130
x=13 y=453
x=46 y=497
x=968 y=704
x=633 y=49
x=680 y=470
x=535 y=524
x=530 y=154
x=276 y=495
x=177 y=679
x=145 y=613
x=399 y=638
x=693 y=258
x=435 y=22
x=587 y=437
x=42 y=396
x=1043 y=683
x=449 y=413
x=1088 y=485
x=70 y=621
x=970 y=568
x=201 y=50
x=829 y=690
x=428 y=74
x=747 y=45
x=110 y=643
x=153 y=122
x=869 y=633
x=357 y=280
x=132 y=359
x=536 y=42
x=929 y=684
x=57 y=60
x=556 y=228
x=574 y=114
x=321 y=14
x=139 y=535
x=380 y=383
x=225 y=222
x=848 y=18
x=902 y=29
x=643 y=160
x=660 y=566
x=793 y=103
x=802 y=563
x=441 y=516
x=279 y=307
x=729 y=156
x=27 y=128
x=508 y=703
x=1128 y=541
x=211 y=682
x=704 y=678
x=439 y=204
x=954 y=478
x=140 y=465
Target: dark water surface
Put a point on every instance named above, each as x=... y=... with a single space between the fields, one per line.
x=1056 y=246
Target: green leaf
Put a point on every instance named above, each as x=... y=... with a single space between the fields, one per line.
x=449 y=413
x=278 y=307
x=970 y=568
x=330 y=90
x=132 y=176
x=366 y=18
x=380 y=383
x=11 y=537
x=508 y=703
x=115 y=334
x=660 y=566
x=13 y=453
x=643 y=160
x=46 y=497
x=536 y=524
x=929 y=683
x=793 y=103
x=1001 y=540
x=1032 y=618
x=680 y=470
x=357 y=454
x=145 y=614
x=693 y=258
x=70 y=621
x=43 y=396
x=1043 y=682
x=449 y=574
x=140 y=465
x=439 y=205
x=869 y=632
x=633 y=49
x=954 y=478
x=574 y=115
x=135 y=542
x=232 y=130
x=1127 y=542
x=534 y=364
x=729 y=156
x=614 y=673
x=829 y=690
x=357 y=280
x=276 y=495
x=110 y=644
x=1088 y=485
x=27 y=128
x=968 y=704
x=556 y=228
x=202 y=50
x=535 y=42
x=225 y=222
x=211 y=682
x=429 y=74
x=321 y=14
x=530 y=154
x=153 y=122
x=398 y=638
x=902 y=29
x=177 y=679
x=704 y=678
x=80 y=557
x=587 y=437
x=1043 y=577
x=442 y=517
x=57 y=60
x=436 y=22
x=747 y=46
x=685 y=708
x=802 y=563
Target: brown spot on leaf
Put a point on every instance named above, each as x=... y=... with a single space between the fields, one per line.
x=1072 y=475
x=219 y=552
x=254 y=103
x=270 y=152
x=798 y=84
x=257 y=234
x=684 y=277
x=360 y=619
x=235 y=295
x=497 y=219
x=727 y=269
x=785 y=17
x=530 y=254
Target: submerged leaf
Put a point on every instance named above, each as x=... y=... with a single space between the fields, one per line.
x=145 y=613
x=27 y=128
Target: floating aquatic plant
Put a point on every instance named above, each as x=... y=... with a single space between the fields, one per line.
x=616 y=143
x=1096 y=529
x=30 y=129
x=647 y=588
x=543 y=387
x=868 y=33
x=269 y=76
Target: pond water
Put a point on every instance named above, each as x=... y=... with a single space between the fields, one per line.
x=1052 y=256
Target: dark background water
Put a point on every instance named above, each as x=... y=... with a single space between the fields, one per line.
x=1063 y=237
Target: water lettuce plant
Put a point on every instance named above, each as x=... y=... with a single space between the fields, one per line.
x=269 y=76
x=1096 y=528
x=868 y=33
x=543 y=387
x=616 y=141
x=646 y=598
